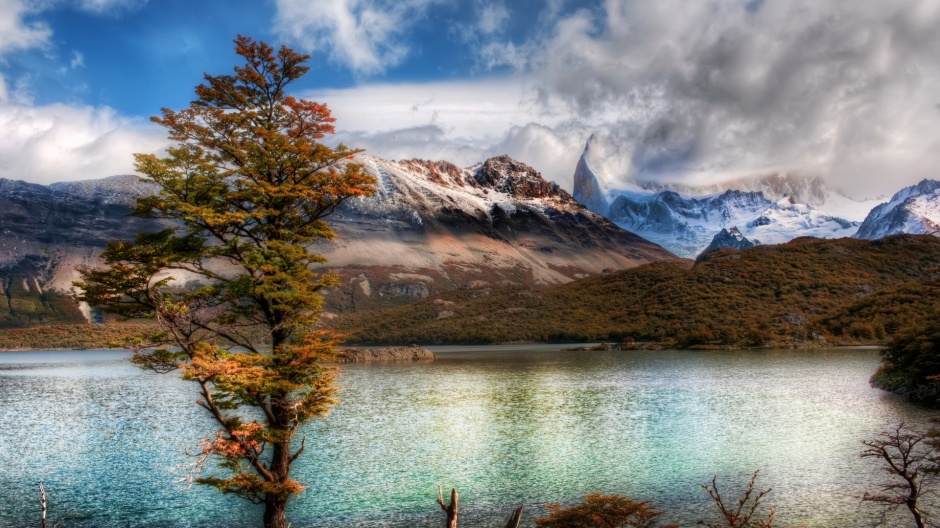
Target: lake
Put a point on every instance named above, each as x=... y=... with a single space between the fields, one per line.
x=504 y=425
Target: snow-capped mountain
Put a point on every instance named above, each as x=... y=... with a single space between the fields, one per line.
x=914 y=210
x=430 y=226
x=729 y=238
x=773 y=208
x=433 y=226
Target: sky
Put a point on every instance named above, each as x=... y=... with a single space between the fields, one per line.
x=680 y=90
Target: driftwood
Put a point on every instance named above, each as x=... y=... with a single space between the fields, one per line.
x=451 y=510
x=42 y=502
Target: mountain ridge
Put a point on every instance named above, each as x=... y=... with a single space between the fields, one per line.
x=685 y=218
x=914 y=209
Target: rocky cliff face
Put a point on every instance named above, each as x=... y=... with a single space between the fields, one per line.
x=36 y=219
x=587 y=185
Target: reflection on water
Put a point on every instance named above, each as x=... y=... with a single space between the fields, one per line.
x=505 y=425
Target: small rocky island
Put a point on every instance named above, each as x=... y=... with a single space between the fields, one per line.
x=399 y=353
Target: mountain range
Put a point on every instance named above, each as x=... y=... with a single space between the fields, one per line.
x=431 y=226
x=765 y=208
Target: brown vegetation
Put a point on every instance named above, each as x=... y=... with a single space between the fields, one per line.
x=70 y=336
x=808 y=292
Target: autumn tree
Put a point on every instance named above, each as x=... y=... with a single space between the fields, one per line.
x=248 y=185
x=602 y=511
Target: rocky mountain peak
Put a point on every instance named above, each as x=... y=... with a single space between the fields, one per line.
x=441 y=172
x=506 y=175
x=728 y=238
x=587 y=187
x=914 y=209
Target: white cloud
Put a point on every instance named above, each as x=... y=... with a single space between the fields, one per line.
x=59 y=142
x=461 y=122
x=368 y=36
x=15 y=33
x=492 y=18
x=709 y=87
x=110 y=6
x=552 y=151
x=689 y=90
x=673 y=89
x=78 y=60
x=462 y=108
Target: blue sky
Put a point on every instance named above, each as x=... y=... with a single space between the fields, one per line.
x=695 y=90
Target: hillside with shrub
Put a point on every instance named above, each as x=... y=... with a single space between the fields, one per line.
x=808 y=292
x=26 y=299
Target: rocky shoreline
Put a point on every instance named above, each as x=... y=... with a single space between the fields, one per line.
x=395 y=353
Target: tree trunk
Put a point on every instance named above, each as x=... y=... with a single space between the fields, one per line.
x=919 y=519
x=449 y=509
x=275 y=506
x=515 y=519
x=275 y=512
x=42 y=502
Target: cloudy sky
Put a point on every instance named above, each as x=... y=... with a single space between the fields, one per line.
x=673 y=89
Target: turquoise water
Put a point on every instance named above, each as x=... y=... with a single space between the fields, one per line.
x=504 y=425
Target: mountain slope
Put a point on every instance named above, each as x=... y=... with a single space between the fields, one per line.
x=45 y=232
x=774 y=295
x=914 y=209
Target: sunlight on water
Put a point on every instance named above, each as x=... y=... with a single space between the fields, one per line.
x=505 y=425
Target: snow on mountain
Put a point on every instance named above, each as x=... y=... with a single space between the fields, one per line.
x=800 y=188
x=729 y=238
x=914 y=210
x=786 y=220
x=684 y=219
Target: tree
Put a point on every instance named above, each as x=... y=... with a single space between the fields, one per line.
x=602 y=511
x=910 y=363
x=742 y=514
x=910 y=456
x=249 y=186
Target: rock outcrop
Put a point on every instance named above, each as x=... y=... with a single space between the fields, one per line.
x=401 y=353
